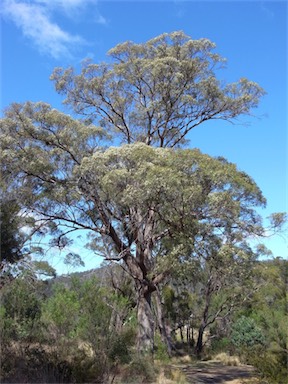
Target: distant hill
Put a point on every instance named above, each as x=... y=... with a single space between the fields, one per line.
x=102 y=274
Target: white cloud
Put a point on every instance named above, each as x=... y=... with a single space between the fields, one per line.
x=35 y=19
x=69 y=7
x=101 y=19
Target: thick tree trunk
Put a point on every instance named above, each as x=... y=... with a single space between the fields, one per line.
x=145 y=317
x=145 y=337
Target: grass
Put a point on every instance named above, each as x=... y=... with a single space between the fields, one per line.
x=226 y=359
x=171 y=376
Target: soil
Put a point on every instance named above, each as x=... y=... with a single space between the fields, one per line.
x=216 y=373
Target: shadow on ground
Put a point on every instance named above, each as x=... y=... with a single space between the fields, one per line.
x=215 y=373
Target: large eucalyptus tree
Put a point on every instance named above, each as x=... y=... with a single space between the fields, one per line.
x=132 y=197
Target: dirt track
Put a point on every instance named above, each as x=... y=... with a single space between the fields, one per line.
x=216 y=373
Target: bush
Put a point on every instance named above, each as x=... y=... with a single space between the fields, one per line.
x=21 y=311
x=271 y=366
x=246 y=334
x=121 y=345
x=220 y=345
x=34 y=365
x=161 y=352
x=140 y=370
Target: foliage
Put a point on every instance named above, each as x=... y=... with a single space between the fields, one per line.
x=213 y=278
x=11 y=238
x=160 y=352
x=82 y=314
x=43 y=269
x=66 y=337
x=69 y=337
x=257 y=331
x=61 y=311
x=140 y=370
x=157 y=91
x=272 y=367
x=246 y=334
x=220 y=344
x=269 y=310
x=17 y=229
x=120 y=348
x=20 y=324
x=21 y=306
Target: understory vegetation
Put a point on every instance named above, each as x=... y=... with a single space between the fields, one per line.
x=81 y=329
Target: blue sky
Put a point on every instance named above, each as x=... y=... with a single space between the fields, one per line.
x=39 y=35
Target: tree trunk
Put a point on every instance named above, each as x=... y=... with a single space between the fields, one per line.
x=204 y=322
x=181 y=334
x=199 y=345
x=164 y=330
x=188 y=334
x=145 y=336
x=192 y=336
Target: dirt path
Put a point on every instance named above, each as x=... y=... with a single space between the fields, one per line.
x=216 y=373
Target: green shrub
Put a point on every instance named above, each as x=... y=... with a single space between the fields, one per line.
x=246 y=334
x=272 y=366
x=140 y=370
x=121 y=346
x=220 y=345
x=161 y=352
x=21 y=311
x=90 y=369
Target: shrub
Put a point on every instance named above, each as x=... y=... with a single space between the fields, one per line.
x=271 y=366
x=161 y=352
x=246 y=334
x=140 y=370
x=121 y=345
x=220 y=345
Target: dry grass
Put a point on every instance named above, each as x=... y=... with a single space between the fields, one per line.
x=226 y=359
x=186 y=359
x=252 y=380
x=176 y=376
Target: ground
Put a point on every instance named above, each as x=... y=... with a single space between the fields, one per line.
x=216 y=373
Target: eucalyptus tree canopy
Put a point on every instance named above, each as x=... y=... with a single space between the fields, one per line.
x=156 y=92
